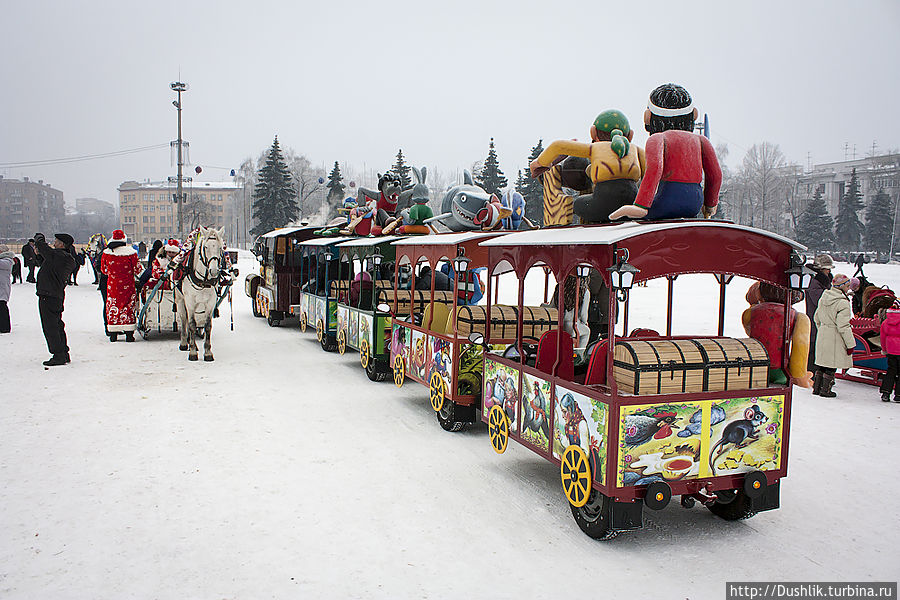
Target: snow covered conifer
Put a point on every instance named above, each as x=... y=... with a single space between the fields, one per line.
x=815 y=224
x=274 y=197
x=402 y=169
x=879 y=219
x=491 y=177
x=848 y=228
x=532 y=189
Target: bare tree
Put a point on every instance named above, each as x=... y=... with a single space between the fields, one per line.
x=763 y=174
x=310 y=191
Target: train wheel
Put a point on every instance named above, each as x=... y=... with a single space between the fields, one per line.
x=498 y=429
x=575 y=473
x=732 y=505
x=399 y=371
x=320 y=332
x=303 y=323
x=436 y=387
x=255 y=303
x=447 y=417
x=364 y=357
x=594 y=517
x=342 y=341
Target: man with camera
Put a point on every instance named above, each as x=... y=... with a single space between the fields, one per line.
x=55 y=270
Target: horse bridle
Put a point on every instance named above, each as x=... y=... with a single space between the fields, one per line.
x=206 y=261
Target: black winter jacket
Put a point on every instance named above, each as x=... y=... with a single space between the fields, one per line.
x=56 y=268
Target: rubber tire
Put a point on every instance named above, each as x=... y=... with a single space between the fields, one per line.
x=272 y=321
x=736 y=509
x=327 y=344
x=113 y=337
x=448 y=417
x=374 y=373
x=595 y=517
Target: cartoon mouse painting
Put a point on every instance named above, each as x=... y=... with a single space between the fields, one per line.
x=740 y=433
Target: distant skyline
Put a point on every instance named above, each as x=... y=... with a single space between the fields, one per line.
x=354 y=81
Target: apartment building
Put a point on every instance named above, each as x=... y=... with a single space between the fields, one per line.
x=27 y=207
x=147 y=210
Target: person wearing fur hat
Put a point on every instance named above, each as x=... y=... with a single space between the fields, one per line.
x=56 y=266
x=161 y=264
x=822 y=266
x=121 y=266
x=834 y=340
x=6 y=265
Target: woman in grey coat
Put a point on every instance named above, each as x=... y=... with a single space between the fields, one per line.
x=7 y=259
x=822 y=266
x=834 y=341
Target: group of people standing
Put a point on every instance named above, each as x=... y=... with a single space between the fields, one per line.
x=831 y=338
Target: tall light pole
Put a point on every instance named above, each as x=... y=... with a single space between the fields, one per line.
x=179 y=87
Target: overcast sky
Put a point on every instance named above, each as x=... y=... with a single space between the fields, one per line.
x=355 y=81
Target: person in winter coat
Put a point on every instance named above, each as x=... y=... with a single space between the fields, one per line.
x=890 y=346
x=16 y=270
x=834 y=339
x=121 y=266
x=161 y=263
x=822 y=266
x=79 y=262
x=56 y=266
x=151 y=256
x=6 y=266
x=30 y=256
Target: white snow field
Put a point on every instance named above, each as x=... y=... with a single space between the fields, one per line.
x=280 y=471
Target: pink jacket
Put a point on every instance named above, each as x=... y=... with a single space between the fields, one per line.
x=890 y=332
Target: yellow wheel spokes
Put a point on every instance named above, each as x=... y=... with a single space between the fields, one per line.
x=498 y=429
x=575 y=472
x=342 y=342
x=437 y=391
x=399 y=371
x=364 y=354
x=303 y=323
x=320 y=331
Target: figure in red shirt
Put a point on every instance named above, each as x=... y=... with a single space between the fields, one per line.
x=678 y=160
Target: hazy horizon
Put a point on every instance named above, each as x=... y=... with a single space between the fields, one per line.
x=354 y=82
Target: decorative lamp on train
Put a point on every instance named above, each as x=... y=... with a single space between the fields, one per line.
x=799 y=275
x=621 y=277
x=374 y=261
x=583 y=270
x=461 y=263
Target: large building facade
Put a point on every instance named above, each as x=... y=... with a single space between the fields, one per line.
x=27 y=207
x=147 y=210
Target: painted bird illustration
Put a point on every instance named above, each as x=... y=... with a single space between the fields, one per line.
x=641 y=427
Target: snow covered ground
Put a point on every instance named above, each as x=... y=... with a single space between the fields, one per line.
x=280 y=471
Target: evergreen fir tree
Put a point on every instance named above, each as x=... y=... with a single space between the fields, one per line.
x=879 y=219
x=848 y=228
x=532 y=189
x=402 y=169
x=274 y=197
x=491 y=177
x=815 y=225
x=335 y=185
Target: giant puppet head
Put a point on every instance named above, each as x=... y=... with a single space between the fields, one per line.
x=670 y=107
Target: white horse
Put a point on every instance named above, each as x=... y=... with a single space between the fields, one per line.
x=196 y=298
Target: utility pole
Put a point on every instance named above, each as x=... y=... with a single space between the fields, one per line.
x=179 y=87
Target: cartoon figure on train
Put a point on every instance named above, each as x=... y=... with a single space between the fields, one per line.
x=417 y=358
x=678 y=161
x=616 y=165
x=576 y=430
x=764 y=321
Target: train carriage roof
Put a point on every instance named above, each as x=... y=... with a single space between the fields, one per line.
x=447 y=238
x=325 y=241
x=286 y=231
x=370 y=241
x=657 y=249
x=611 y=234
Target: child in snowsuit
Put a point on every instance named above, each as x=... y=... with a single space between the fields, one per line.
x=890 y=346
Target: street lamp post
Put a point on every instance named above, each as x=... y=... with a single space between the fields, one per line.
x=179 y=87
